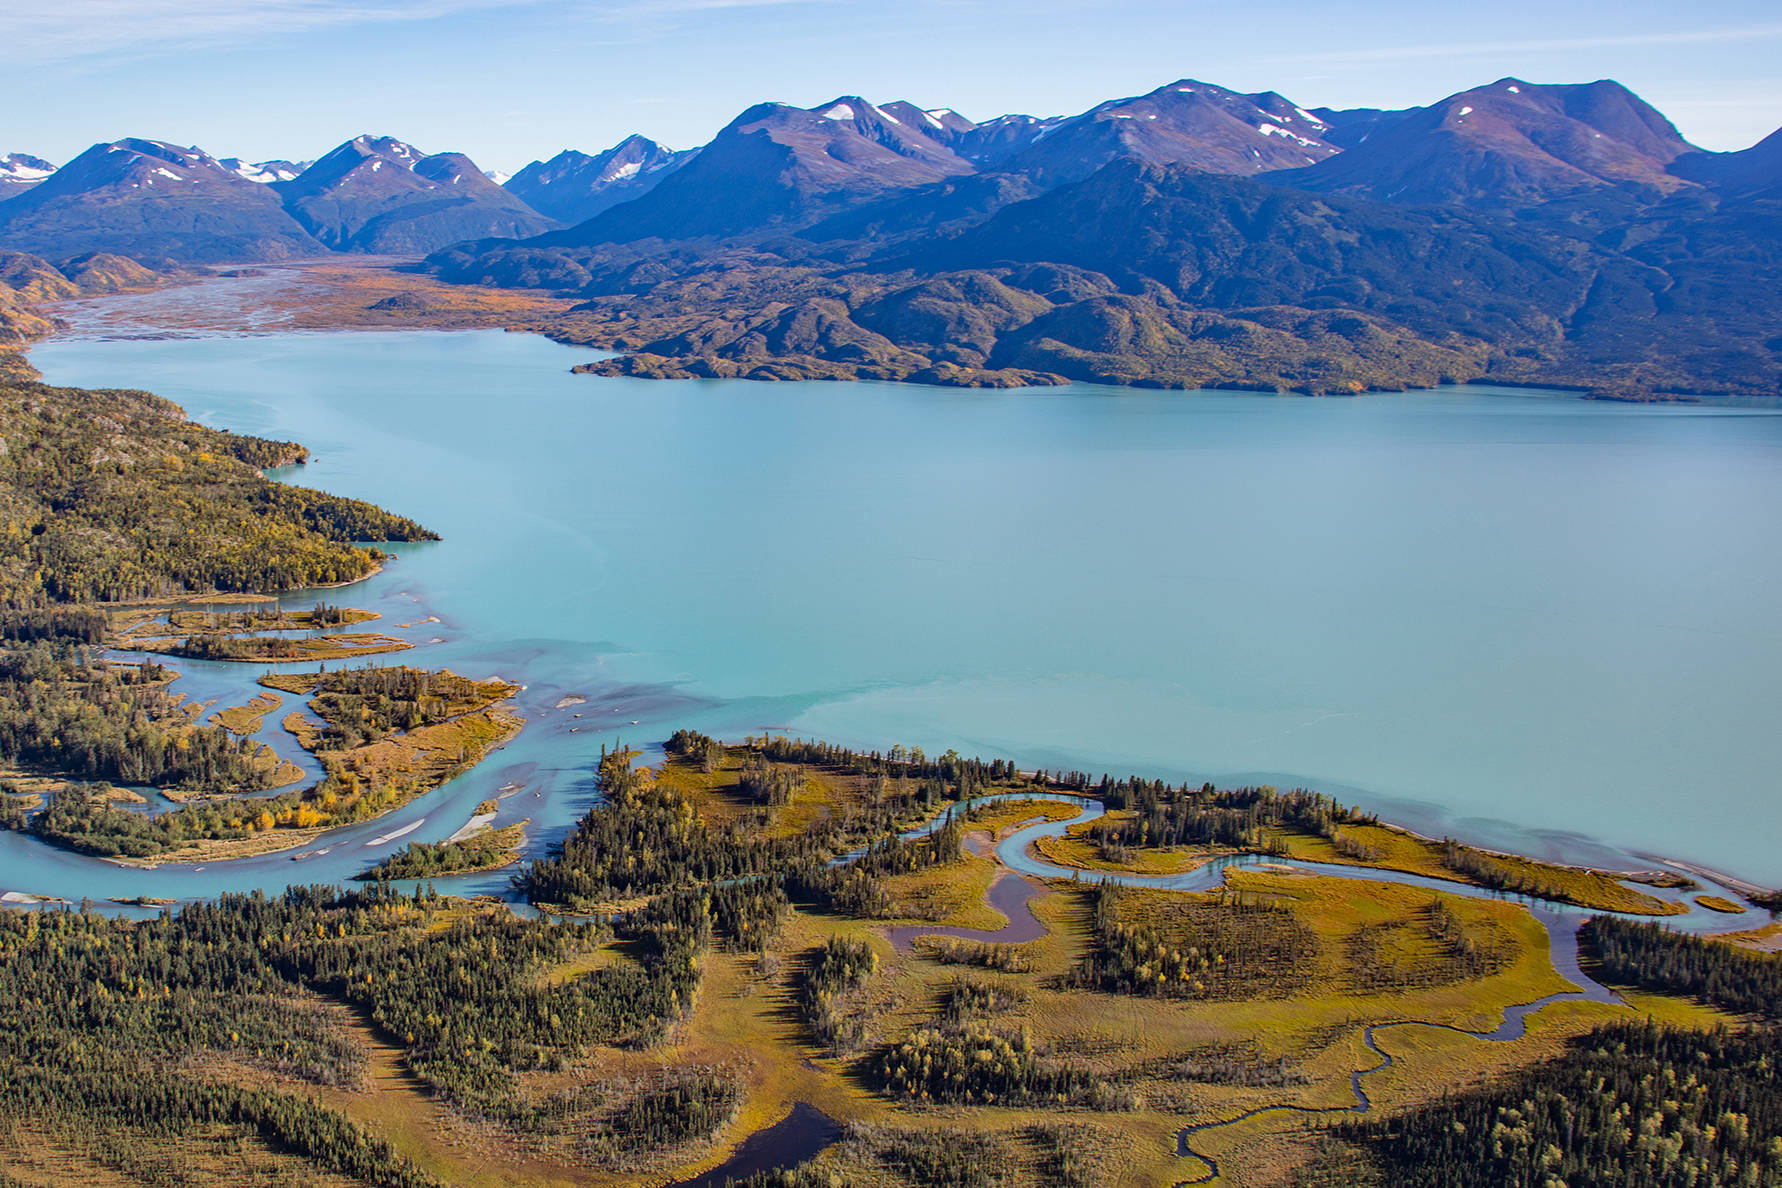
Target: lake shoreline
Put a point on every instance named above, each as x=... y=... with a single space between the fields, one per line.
x=1486 y=839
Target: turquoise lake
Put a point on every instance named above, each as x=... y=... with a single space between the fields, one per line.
x=1521 y=618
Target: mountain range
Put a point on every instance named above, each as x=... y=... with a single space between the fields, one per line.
x=1533 y=233
x=378 y=194
x=1520 y=232
x=162 y=203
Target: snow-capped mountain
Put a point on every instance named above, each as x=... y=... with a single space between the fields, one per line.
x=20 y=171
x=940 y=123
x=574 y=186
x=850 y=169
x=380 y=194
x=1187 y=122
x=148 y=199
x=152 y=199
x=779 y=164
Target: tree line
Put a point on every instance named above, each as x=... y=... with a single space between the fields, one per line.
x=1648 y=955
x=1634 y=1105
x=1165 y=815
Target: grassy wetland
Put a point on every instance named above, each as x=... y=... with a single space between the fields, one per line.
x=258 y=633
x=695 y=981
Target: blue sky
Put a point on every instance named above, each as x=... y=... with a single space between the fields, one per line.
x=510 y=80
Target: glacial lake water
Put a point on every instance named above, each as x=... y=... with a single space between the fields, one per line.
x=1521 y=618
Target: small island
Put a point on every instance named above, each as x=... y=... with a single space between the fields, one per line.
x=474 y=849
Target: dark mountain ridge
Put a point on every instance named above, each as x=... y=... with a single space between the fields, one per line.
x=1752 y=172
x=1520 y=232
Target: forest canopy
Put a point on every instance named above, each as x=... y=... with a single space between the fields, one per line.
x=111 y=495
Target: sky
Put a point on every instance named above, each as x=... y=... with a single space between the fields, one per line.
x=508 y=81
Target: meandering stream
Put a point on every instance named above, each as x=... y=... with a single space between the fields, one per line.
x=1561 y=921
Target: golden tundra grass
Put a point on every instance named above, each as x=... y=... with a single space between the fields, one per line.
x=247 y=719
x=1400 y=850
x=745 y=1019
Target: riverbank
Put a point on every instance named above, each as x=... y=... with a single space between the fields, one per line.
x=1070 y=848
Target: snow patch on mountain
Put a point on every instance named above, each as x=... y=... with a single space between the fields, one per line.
x=1276 y=130
x=261 y=172
x=22 y=167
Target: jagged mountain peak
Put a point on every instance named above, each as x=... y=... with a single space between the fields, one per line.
x=938 y=123
x=574 y=186
x=384 y=146
x=380 y=194
x=190 y=156
x=1189 y=122
x=780 y=165
x=845 y=135
x=371 y=153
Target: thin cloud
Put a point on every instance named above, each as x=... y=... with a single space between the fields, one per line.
x=1473 y=49
x=672 y=7
x=34 y=33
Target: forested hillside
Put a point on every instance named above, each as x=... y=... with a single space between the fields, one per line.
x=115 y=495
